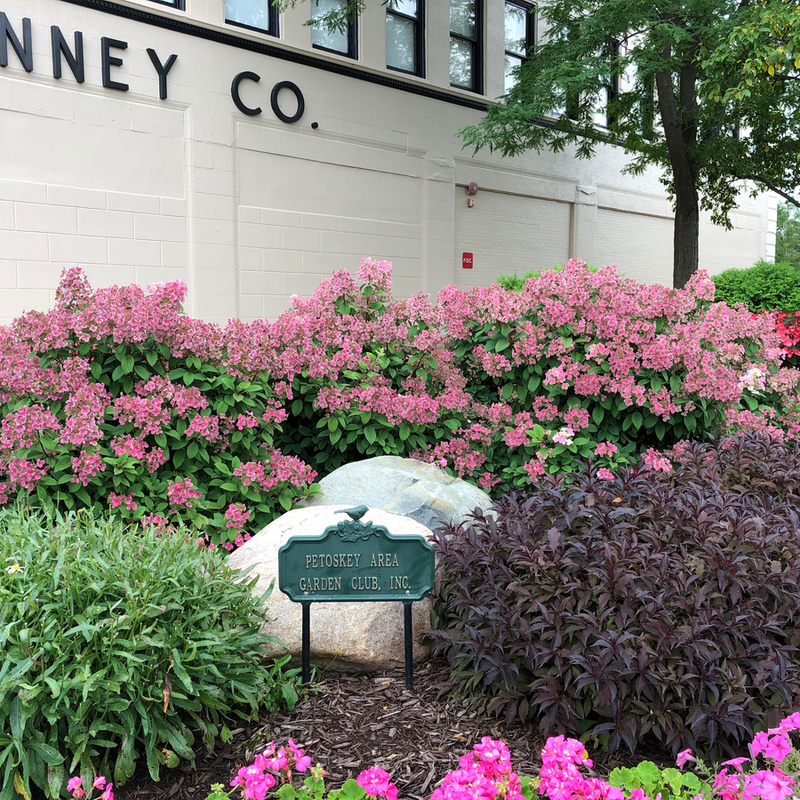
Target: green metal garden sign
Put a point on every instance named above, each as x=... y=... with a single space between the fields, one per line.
x=355 y=561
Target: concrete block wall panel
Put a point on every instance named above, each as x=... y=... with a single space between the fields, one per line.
x=249 y=209
x=639 y=244
x=527 y=234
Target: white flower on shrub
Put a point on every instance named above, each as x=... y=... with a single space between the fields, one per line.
x=14 y=569
x=564 y=436
x=753 y=380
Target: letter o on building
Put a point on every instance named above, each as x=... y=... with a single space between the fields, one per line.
x=295 y=90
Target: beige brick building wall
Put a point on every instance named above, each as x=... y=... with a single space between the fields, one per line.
x=250 y=209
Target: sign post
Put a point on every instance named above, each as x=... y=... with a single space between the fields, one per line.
x=356 y=561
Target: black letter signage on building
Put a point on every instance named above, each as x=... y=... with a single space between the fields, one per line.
x=59 y=46
x=162 y=70
x=273 y=101
x=109 y=61
x=61 y=50
x=25 y=54
x=250 y=76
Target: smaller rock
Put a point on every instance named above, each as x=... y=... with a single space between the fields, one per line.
x=354 y=636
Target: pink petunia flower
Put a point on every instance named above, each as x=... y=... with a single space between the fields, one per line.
x=778 y=747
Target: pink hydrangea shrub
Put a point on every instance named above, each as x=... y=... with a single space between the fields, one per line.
x=118 y=392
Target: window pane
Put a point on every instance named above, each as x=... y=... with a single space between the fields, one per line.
x=461 y=66
x=400 y=43
x=407 y=7
x=254 y=13
x=462 y=18
x=516 y=29
x=320 y=36
x=511 y=79
x=601 y=108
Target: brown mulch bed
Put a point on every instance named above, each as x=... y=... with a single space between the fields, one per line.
x=355 y=721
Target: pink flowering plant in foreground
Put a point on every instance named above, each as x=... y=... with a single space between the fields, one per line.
x=117 y=400
x=484 y=774
x=75 y=788
x=769 y=773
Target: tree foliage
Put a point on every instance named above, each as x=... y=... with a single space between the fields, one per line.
x=672 y=90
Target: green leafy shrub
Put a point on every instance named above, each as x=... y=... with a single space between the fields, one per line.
x=118 y=645
x=658 y=603
x=762 y=287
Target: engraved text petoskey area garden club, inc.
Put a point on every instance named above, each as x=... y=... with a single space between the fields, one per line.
x=354 y=561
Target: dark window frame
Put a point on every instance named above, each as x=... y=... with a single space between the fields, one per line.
x=352 y=42
x=178 y=5
x=419 y=39
x=477 y=64
x=530 y=10
x=273 y=21
x=612 y=89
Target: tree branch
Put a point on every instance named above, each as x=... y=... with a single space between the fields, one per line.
x=789 y=198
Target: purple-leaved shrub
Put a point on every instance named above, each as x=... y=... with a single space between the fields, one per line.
x=661 y=602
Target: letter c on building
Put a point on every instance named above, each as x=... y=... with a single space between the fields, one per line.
x=250 y=76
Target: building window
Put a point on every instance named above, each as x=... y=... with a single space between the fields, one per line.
x=259 y=15
x=466 y=51
x=606 y=96
x=342 y=39
x=405 y=25
x=519 y=38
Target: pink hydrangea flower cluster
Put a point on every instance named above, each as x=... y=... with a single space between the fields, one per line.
x=276 y=468
x=657 y=461
x=236 y=515
x=116 y=500
x=605 y=449
x=86 y=466
x=564 y=436
x=182 y=493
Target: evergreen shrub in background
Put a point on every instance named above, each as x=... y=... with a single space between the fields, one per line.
x=762 y=287
x=118 y=646
x=660 y=603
